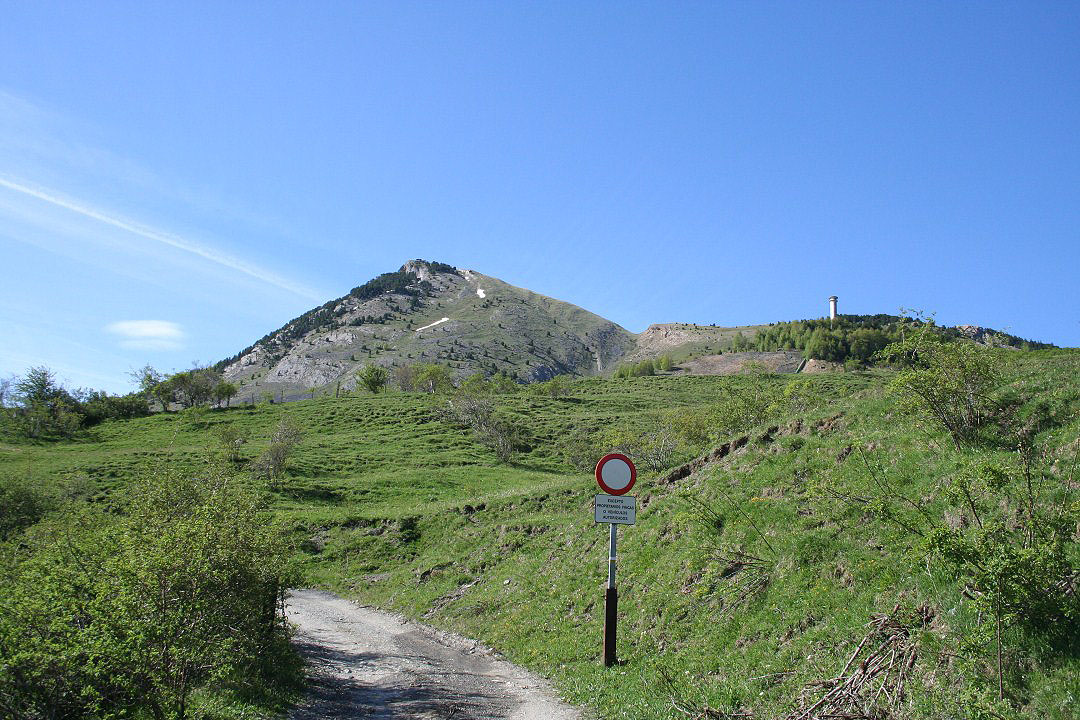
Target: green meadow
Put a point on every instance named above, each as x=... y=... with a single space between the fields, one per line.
x=841 y=553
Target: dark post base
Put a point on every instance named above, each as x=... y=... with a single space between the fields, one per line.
x=611 y=613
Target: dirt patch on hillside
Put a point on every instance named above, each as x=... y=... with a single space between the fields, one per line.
x=669 y=337
x=782 y=361
x=822 y=426
x=822 y=366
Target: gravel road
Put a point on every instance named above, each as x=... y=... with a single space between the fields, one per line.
x=364 y=663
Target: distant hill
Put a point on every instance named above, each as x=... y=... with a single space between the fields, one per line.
x=430 y=312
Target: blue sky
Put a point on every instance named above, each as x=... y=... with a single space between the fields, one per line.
x=178 y=179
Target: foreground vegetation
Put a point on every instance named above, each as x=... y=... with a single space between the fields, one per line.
x=892 y=543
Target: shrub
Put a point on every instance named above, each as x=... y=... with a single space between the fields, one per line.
x=742 y=404
x=231 y=439
x=478 y=415
x=373 y=377
x=126 y=615
x=951 y=384
x=21 y=504
x=556 y=387
x=578 y=447
x=270 y=465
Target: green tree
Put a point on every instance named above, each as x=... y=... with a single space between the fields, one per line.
x=864 y=343
x=225 y=391
x=644 y=368
x=432 y=378
x=373 y=377
x=196 y=386
x=826 y=345
x=164 y=392
x=147 y=378
x=43 y=408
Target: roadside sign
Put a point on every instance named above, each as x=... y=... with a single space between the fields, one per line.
x=618 y=509
x=615 y=474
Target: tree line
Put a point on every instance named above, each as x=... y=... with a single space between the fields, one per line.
x=189 y=388
x=37 y=406
x=856 y=340
x=645 y=368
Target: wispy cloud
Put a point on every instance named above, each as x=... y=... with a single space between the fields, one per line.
x=148 y=334
x=40 y=143
x=160 y=236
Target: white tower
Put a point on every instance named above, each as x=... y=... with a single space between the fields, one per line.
x=832 y=307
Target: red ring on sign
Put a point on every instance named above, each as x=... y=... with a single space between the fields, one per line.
x=600 y=474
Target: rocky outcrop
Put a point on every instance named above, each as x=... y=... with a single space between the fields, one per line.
x=305 y=372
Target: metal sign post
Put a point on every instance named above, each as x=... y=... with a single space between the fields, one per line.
x=615 y=474
x=611 y=604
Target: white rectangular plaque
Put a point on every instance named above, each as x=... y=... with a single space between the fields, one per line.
x=619 y=509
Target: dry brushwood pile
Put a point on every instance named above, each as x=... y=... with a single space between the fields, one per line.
x=872 y=682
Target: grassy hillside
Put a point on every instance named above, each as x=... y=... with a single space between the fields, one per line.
x=808 y=558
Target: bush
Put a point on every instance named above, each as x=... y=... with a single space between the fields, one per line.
x=98 y=406
x=653 y=448
x=743 y=404
x=478 y=415
x=666 y=439
x=126 y=615
x=556 y=387
x=579 y=448
x=373 y=377
x=230 y=439
x=21 y=504
x=952 y=384
x=270 y=465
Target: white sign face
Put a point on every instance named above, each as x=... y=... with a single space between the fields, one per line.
x=619 y=509
x=616 y=474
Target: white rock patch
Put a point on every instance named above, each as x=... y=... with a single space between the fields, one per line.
x=437 y=322
x=480 y=292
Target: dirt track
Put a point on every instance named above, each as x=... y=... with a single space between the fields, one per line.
x=365 y=663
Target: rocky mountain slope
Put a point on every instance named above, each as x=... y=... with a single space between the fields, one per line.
x=429 y=312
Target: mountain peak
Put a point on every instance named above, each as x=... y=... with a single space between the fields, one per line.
x=429 y=312
x=422 y=270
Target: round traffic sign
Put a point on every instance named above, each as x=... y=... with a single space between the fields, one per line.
x=615 y=474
